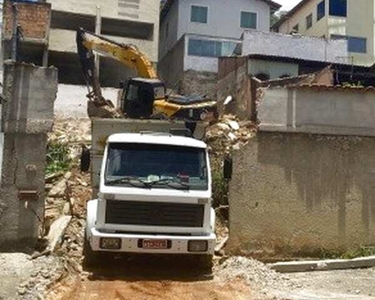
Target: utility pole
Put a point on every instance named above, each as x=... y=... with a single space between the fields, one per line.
x=98 y=30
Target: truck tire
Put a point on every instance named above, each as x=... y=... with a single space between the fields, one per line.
x=91 y=258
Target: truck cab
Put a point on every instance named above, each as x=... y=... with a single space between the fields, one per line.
x=154 y=197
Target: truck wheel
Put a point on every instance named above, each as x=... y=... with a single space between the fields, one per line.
x=91 y=258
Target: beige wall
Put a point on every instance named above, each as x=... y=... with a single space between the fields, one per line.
x=296 y=194
x=318 y=29
x=360 y=22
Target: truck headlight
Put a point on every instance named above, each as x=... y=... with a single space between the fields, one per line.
x=197 y=246
x=110 y=243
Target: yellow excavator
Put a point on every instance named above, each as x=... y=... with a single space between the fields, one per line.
x=143 y=97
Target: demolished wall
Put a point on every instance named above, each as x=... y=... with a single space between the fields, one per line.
x=27 y=116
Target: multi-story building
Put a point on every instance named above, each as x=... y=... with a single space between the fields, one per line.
x=352 y=20
x=133 y=22
x=193 y=34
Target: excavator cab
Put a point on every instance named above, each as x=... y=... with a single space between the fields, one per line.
x=139 y=95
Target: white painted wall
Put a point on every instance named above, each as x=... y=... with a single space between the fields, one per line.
x=71 y=101
x=294 y=46
x=274 y=69
x=223 y=17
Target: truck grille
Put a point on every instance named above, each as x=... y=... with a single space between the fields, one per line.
x=154 y=214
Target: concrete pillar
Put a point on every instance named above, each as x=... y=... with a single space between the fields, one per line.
x=27 y=116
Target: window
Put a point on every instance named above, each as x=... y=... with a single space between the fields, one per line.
x=199 y=14
x=355 y=44
x=338 y=8
x=249 y=20
x=309 y=21
x=295 y=29
x=321 y=10
x=208 y=48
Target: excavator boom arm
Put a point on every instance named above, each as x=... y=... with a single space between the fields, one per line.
x=89 y=43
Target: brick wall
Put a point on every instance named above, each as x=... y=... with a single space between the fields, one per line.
x=34 y=18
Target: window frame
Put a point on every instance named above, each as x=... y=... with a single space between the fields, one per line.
x=200 y=5
x=318 y=16
x=349 y=38
x=257 y=19
x=215 y=47
x=312 y=21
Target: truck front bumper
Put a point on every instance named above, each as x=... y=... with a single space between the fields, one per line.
x=133 y=243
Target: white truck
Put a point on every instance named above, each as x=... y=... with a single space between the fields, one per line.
x=153 y=192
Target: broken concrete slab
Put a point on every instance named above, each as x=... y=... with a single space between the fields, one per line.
x=323 y=265
x=57 y=231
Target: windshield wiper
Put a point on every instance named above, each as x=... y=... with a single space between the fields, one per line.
x=130 y=180
x=173 y=184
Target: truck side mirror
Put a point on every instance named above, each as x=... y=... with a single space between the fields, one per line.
x=228 y=168
x=85 y=159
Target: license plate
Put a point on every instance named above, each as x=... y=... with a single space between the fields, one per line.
x=155 y=244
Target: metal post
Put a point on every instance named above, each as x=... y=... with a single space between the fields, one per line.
x=98 y=29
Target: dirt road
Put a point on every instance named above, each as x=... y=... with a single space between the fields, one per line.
x=154 y=278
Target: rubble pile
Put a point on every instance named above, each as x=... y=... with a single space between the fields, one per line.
x=229 y=134
x=73 y=132
x=254 y=272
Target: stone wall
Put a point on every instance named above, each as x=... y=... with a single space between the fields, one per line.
x=27 y=116
x=199 y=83
x=296 y=194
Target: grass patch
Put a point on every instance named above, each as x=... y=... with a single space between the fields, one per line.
x=58 y=158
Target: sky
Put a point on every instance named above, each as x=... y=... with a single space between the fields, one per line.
x=287 y=4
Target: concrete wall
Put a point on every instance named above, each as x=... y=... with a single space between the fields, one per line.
x=273 y=69
x=320 y=110
x=199 y=83
x=234 y=81
x=26 y=118
x=171 y=66
x=167 y=41
x=71 y=101
x=309 y=48
x=296 y=194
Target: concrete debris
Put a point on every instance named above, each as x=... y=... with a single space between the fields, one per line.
x=254 y=273
x=56 y=232
x=59 y=189
x=229 y=133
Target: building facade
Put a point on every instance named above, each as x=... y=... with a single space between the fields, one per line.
x=336 y=19
x=193 y=34
x=51 y=25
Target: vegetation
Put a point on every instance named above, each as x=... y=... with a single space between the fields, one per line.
x=58 y=158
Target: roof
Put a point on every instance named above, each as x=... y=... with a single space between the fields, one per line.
x=299 y=60
x=158 y=138
x=290 y=13
x=332 y=88
x=168 y=4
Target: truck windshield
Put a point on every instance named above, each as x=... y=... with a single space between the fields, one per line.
x=156 y=166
